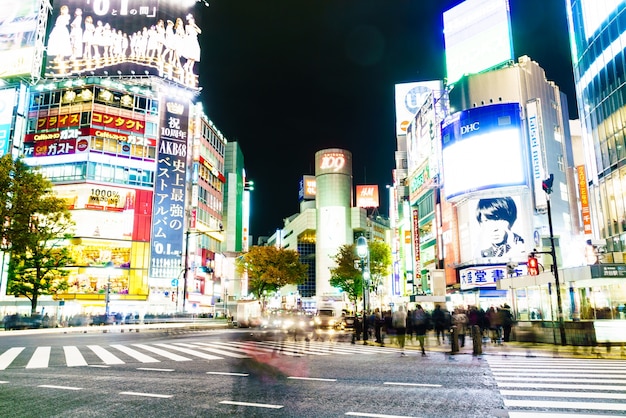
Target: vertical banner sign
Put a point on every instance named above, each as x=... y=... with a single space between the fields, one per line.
x=168 y=216
x=584 y=199
x=536 y=153
x=417 y=268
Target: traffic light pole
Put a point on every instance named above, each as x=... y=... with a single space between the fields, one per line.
x=555 y=271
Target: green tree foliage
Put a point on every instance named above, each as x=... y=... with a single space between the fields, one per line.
x=269 y=268
x=35 y=227
x=347 y=275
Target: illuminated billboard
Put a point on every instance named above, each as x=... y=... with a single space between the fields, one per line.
x=7 y=105
x=18 y=30
x=409 y=98
x=477 y=36
x=168 y=217
x=367 y=196
x=125 y=37
x=482 y=150
x=307 y=188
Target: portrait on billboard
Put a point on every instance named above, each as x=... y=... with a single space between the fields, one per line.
x=124 y=37
x=497 y=217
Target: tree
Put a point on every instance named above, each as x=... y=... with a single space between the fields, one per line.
x=347 y=275
x=269 y=268
x=35 y=227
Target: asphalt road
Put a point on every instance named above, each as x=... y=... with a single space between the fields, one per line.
x=222 y=373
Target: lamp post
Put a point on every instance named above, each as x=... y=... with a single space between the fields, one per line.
x=186 y=262
x=362 y=251
x=107 y=297
x=547 y=187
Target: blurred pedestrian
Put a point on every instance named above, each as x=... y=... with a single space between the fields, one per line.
x=439 y=322
x=378 y=325
x=507 y=321
x=459 y=320
x=398 y=321
x=421 y=321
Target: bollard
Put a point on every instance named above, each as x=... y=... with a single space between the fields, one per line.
x=477 y=340
x=454 y=340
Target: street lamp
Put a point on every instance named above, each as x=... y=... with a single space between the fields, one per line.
x=547 y=187
x=362 y=251
x=186 y=263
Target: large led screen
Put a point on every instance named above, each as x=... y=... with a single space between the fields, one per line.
x=482 y=149
x=477 y=35
x=18 y=29
x=125 y=37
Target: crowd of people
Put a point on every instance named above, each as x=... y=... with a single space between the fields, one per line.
x=402 y=325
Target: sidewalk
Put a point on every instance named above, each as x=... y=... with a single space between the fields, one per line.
x=515 y=349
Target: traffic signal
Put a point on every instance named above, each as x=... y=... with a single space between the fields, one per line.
x=532 y=265
x=547 y=184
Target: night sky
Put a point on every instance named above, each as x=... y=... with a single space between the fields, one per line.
x=286 y=78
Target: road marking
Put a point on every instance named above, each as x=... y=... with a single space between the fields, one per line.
x=229 y=374
x=600 y=406
x=101 y=366
x=149 y=395
x=365 y=414
x=135 y=354
x=162 y=353
x=40 y=358
x=518 y=414
x=192 y=352
x=559 y=374
x=312 y=378
x=559 y=386
x=3 y=381
x=258 y=405
x=546 y=379
x=213 y=350
x=154 y=369
x=548 y=393
x=427 y=385
x=105 y=355
x=59 y=387
x=73 y=357
x=8 y=356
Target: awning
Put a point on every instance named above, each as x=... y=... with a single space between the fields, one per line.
x=492 y=293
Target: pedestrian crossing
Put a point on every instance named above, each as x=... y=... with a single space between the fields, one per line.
x=118 y=354
x=560 y=387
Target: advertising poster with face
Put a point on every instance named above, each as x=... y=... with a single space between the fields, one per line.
x=125 y=37
x=498 y=228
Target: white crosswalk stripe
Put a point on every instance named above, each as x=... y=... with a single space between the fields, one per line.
x=118 y=354
x=561 y=387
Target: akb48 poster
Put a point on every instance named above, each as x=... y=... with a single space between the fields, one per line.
x=125 y=37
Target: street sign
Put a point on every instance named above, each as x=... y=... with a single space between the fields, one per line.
x=174 y=282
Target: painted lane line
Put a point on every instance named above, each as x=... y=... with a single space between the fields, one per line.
x=162 y=353
x=231 y=348
x=600 y=406
x=40 y=358
x=73 y=357
x=559 y=374
x=258 y=405
x=59 y=387
x=545 y=379
x=154 y=369
x=106 y=356
x=365 y=414
x=519 y=414
x=148 y=395
x=229 y=374
x=2 y=382
x=191 y=352
x=318 y=379
x=426 y=385
x=559 y=386
x=259 y=349
x=214 y=350
x=299 y=349
x=135 y=354
x=559 y=394
x=99 y=366
x=8 y=356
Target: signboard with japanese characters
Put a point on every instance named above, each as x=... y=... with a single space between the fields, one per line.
x=168 y=216
x=102 y=37
x=488 y=275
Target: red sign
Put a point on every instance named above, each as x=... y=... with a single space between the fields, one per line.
x=118 y=122
x=131 y=139
x=58 y=121
x=367 y=196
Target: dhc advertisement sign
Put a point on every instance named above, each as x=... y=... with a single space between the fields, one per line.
x=482 y=150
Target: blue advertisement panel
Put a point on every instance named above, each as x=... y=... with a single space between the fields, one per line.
x=168 y=213
x=18 y=29
x=482 y=150
x=126 y=37
x=7 y=104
